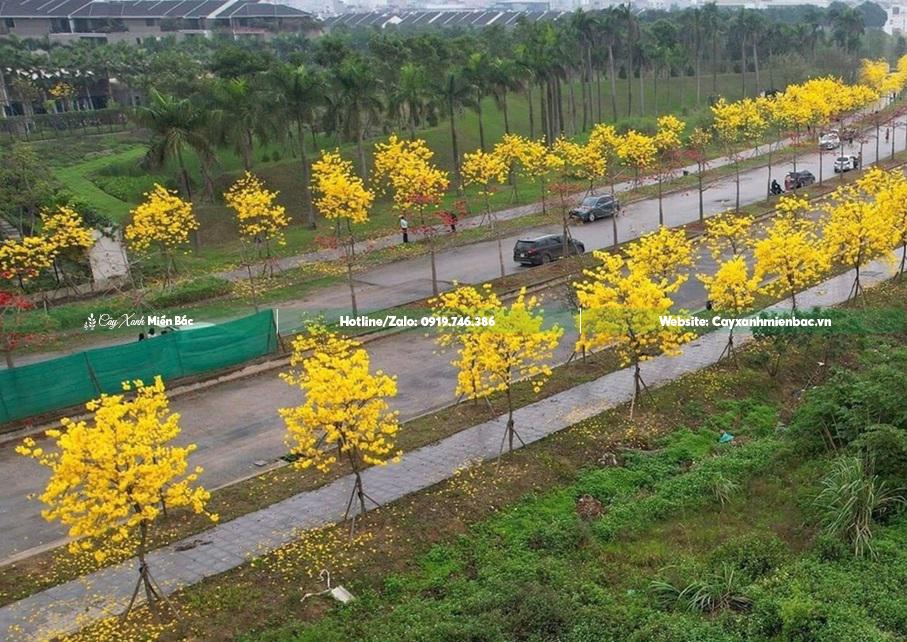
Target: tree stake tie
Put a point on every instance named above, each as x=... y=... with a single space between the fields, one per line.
x=338 y=592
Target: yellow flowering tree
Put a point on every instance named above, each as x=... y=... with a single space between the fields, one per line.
x=789 y=258
x=728 y=232
x=65 y=230
x=504 y=344
x=509 y=149
x=585 y=162
x=732 y=290
x=698 y=150
x=667 y=142
x=856 y=230
x=24 y=260
x=163 y=222
x=621 y=306
x=605 y=138
x=737 y=123
x=487 y=171
x=341 y=197
x=662 y=256
x=260 y=219
x=538 y=164
x=405 y=167
x=345 y=415
x=892 y=197
x=110 y=478
x=637 y=151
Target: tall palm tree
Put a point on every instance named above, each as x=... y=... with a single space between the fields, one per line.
x=412 y=96
x=506 y=76
x=609 y=28
x=477 y=72
x=298 y=90
x=458 y=93
x=847 y=29
x=241 y=115
x=711 y=31
x=356 y=100
x=176 y=124
x=631 y=30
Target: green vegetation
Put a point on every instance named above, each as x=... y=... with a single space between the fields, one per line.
x=643 y=529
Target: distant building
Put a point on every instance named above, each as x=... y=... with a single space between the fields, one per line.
x=138 y=20
x=440 y=19
x=896 y=24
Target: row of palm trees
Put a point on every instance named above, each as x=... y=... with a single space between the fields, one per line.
x=202 y=95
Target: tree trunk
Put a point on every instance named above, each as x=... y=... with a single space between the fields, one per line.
x=613 y=76
x=714 y=65
x=531 y=111
x=543 y=110
x=655 y=90
x=756 y=66
x=307 y=208
x=572 y=96
x=698 y=71
x=642 y=90
x=506 y=114
x=481 y=123
x=743 y=67
x=360 y=146
x=453 y=140
x=193 y=235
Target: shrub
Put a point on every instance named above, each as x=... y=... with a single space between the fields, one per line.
x=752 y=555
x=801 y=619
x=536 y=612
x=850 y=502
x=192 y=291
x=885 y=446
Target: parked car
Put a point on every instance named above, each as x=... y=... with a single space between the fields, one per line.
x=846 y=163
x=829 y=141
x=544 y=249
x=595 y=207
x=796 y=180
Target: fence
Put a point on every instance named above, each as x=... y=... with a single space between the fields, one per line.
x=69 y=381
x=45 y=126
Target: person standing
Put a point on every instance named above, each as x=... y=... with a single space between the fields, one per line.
x=404 y=228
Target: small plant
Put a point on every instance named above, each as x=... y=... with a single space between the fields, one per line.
x=850 y=502
x=724 y=488
x=716 y=592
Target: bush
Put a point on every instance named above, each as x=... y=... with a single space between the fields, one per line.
x=851 y=501
x=801 y=619
x=201 y=289
x=536 y=612
x=752 y=555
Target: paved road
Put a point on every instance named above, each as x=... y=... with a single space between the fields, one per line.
x=67 y=607
x=235 y=424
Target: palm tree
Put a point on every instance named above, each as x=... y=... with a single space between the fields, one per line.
x=711 y=30
x=458 y=93
x=298 y=90
x=241 y=114
x=847 y=30
x=476 y=72
x=175 y=124
x=608 y=27
x=356 y=100
x=412 y=97
x=506 y=76
x=631 y=26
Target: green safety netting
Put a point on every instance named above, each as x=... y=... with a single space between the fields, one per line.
x=68 y=381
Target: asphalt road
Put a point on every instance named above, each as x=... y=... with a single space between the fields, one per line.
x=235 y=424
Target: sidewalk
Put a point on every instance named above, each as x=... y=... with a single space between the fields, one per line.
x=70 y=606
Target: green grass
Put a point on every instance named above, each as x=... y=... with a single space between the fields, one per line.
x=498 y=553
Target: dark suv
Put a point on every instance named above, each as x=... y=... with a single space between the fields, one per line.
x=544 y=249
x=796 y=180
x=596 y=207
